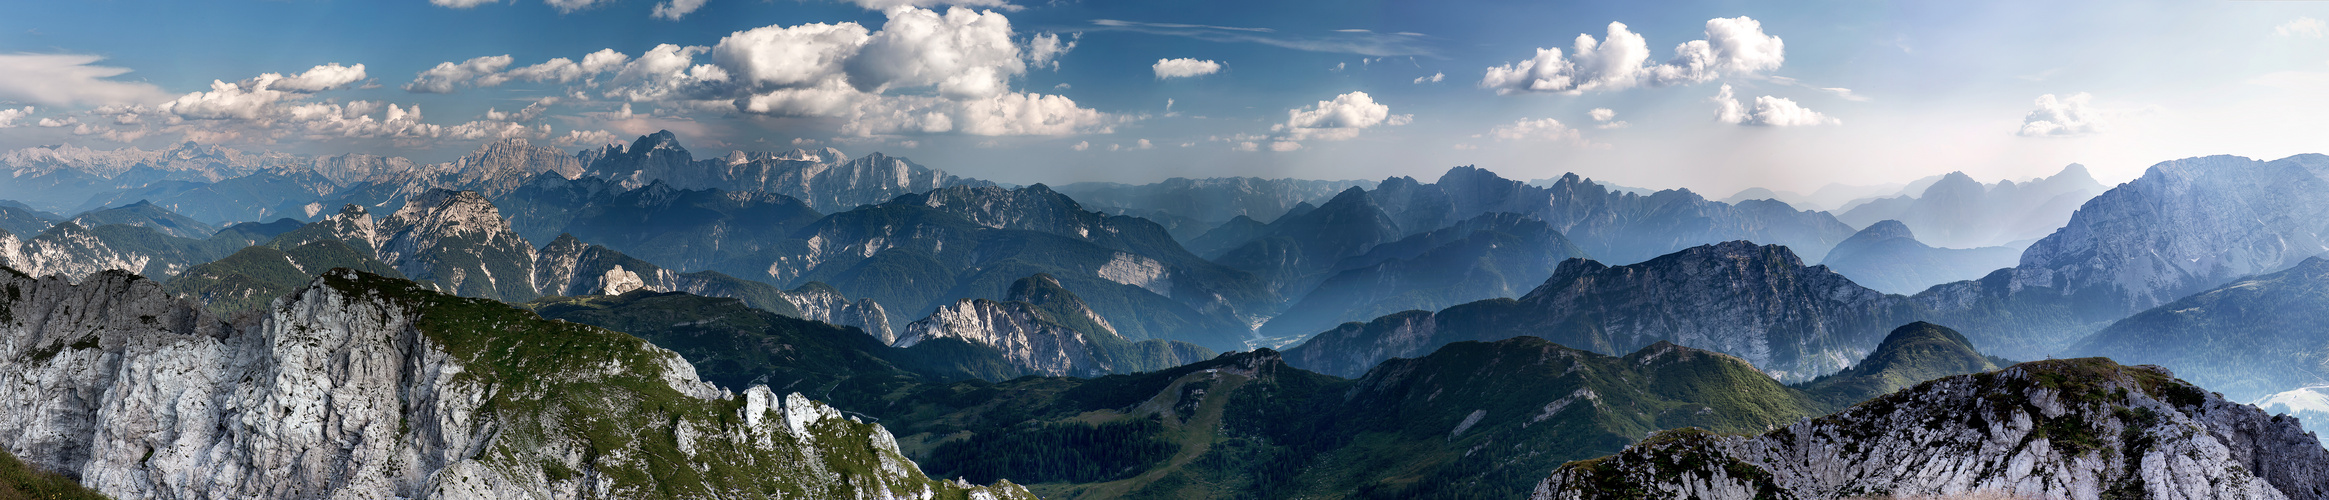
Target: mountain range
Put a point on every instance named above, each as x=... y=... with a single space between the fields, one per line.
x=1956 y=211
x=1469 y=337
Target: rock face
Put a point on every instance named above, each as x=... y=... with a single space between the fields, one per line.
x=75 y=250
x=820 y=302
x=1045 y=329
x=70 y=250
x=1888 y=257
x=2068 y=429
x=458 y=239
x=1759 y=303
x=828 y=180
x=2184 y=227
x=1039 y=346
x=365 y=387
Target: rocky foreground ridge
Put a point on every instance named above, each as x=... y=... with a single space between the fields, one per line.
x=2070 y=429
x=359 y=386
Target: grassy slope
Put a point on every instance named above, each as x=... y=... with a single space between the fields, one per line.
x=21 y=481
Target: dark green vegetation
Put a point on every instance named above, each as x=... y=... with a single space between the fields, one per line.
x=1471 y=420
x=2247 y=339
x=737 y=346
x=1913 y=353
x=21 y=481
x=251 y=278
x=561 y=384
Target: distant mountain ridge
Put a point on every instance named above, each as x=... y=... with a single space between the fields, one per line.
x=2183 y=227
x=828 y=180
x=1888 y=257
x=1959 y=212
x=1757 y=302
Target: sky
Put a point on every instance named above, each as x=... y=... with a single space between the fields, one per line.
x=1714 y=96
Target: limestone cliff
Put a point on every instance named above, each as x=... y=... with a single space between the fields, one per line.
x=359 y=386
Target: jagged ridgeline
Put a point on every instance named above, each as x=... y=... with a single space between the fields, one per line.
x=405 y=392
x=1472 y=419
x=2073 y=428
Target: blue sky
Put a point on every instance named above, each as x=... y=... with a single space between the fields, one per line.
x=1315 y=89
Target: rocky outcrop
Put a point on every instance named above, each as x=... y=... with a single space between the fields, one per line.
x=71 y=250
x=1045 y=329
x=2058 y=429
x=819 y=302
x=1013 y=328
x=458 y=240
x=359 y=386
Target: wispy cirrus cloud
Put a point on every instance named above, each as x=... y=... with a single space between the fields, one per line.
x=70 y=79
x=1360 y=42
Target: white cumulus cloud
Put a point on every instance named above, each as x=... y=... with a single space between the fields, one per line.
x=460 y=4
x=2302 y=27
x=1043 y=50
x=1538 y=130
x=569 y=6
x=1434 y=78
x=1733 y=46
x=675 y=9
x=1607 y=117
x=1184 y=68
x=442 y=79
x=1768 y=111
x=317 y=79
x=2071 y=116
x=886 y=5
x=921 y=72
x=962 y=53
x=9 y=117
x=1339 y=119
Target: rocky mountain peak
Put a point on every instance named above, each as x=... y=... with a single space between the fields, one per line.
x=1735 y=253
x=660 y=140
x=2069 y=428
x=1040 y=289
